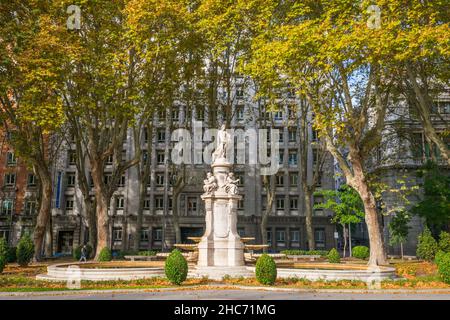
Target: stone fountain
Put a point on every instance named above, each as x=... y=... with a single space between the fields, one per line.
x=220 y=250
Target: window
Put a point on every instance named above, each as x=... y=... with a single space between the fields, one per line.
x=278 y=115
x=240 y=112
x=157 y=234
x=146 y=204
x=107 y=178
x=280 y=203
x=159 y=203
x=10 y=158
x=417 y=146
x=281 y=136
x=280 y=235
x=160 y=157
x=145 y=235
x=31 y=180
x=169 y=204
x=117 y=234
x=293 y=204
x=315 y=155
x=144 y=156
x=200 y=114
x=318 y=200
x=280 y=157
x=240 y=204
x=30 y=207
x=295 y=236
x=70 y=179
x=445 y=107
x=315 y=135
x=175 y=115
x=269 y=236
x=293 y=179
x=120 y=203
x=161 y=115
x=72 y=157
x=241 y=232
x=292 y=135
x=10 y=179
x=121 y=182
x=161 y=135
x=109 y=160
x=192 y=204
x=292 y=157
x=7 y=207
x=319 y=237
x=124 y=156
x=160 y=179
x=69 y=203
x=279 y=180
x=239 y=92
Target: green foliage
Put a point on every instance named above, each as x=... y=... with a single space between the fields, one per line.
x=77 y=252
x=147 y=253
x=266 y=270
x=333 y=256
x=444 y=267
x=435 y=206
x=398 y=227
x=345 y=203
x=438 y=257
x=25 y=250
x=3 y=254
x=361 y=252
x=105 y=255
x=176 y=267
x=426 y=246
x=444 y=241
x=12 y=254
x=293 y=252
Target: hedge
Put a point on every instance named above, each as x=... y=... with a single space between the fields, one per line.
x=266 y=270
x=176 y=267
x=333 y=256
x=360 y=252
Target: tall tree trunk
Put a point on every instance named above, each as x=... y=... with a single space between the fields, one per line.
x=345 y=239
x=48 y=252
x=140 y=210
x=176 y=216
x=92 y=220
x=309 y=217
x=359 y=183
x=44 y=213
x=101 y=201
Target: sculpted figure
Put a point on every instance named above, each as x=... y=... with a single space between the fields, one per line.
x=223 y=139
x=210 y=183
x=231 y=184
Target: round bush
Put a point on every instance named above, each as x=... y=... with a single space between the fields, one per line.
x=361 y=252
x=426 y=246
x=12 y=254
x=266 y=270
x=25 y=251
x=444 y=241
x=333 y=256
x=176 y=267
x=444 y=267
x=77 y=252
x=105 y=255
x=3 y=254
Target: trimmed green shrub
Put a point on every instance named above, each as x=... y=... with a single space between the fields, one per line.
x=176 y=267
x=426 y=246
x=444 y=241
x=293 y=252
x=12 y=254
x=25 y=251
x=105 y=255
x=3 y=254
x=333 y=256
x=444 y=267
x=361 y=252
x=266 y=270
x=77 y=252
x=438 y=257
x=147 y=253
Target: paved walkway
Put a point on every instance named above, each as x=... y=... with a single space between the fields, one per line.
x=231 y=294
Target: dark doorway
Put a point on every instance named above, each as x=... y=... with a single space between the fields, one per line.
x=65 y=242
x=190 y=232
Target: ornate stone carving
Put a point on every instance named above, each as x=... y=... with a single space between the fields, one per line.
x=231 y=184
x=223 y=140
x=210 y=183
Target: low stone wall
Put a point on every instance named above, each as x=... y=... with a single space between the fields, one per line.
x=63 y=272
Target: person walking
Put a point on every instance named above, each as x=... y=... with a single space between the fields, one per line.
x=83 y=254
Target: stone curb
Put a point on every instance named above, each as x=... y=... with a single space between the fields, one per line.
x=228 y=287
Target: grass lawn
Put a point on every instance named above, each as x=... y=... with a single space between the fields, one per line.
x=414 y=275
